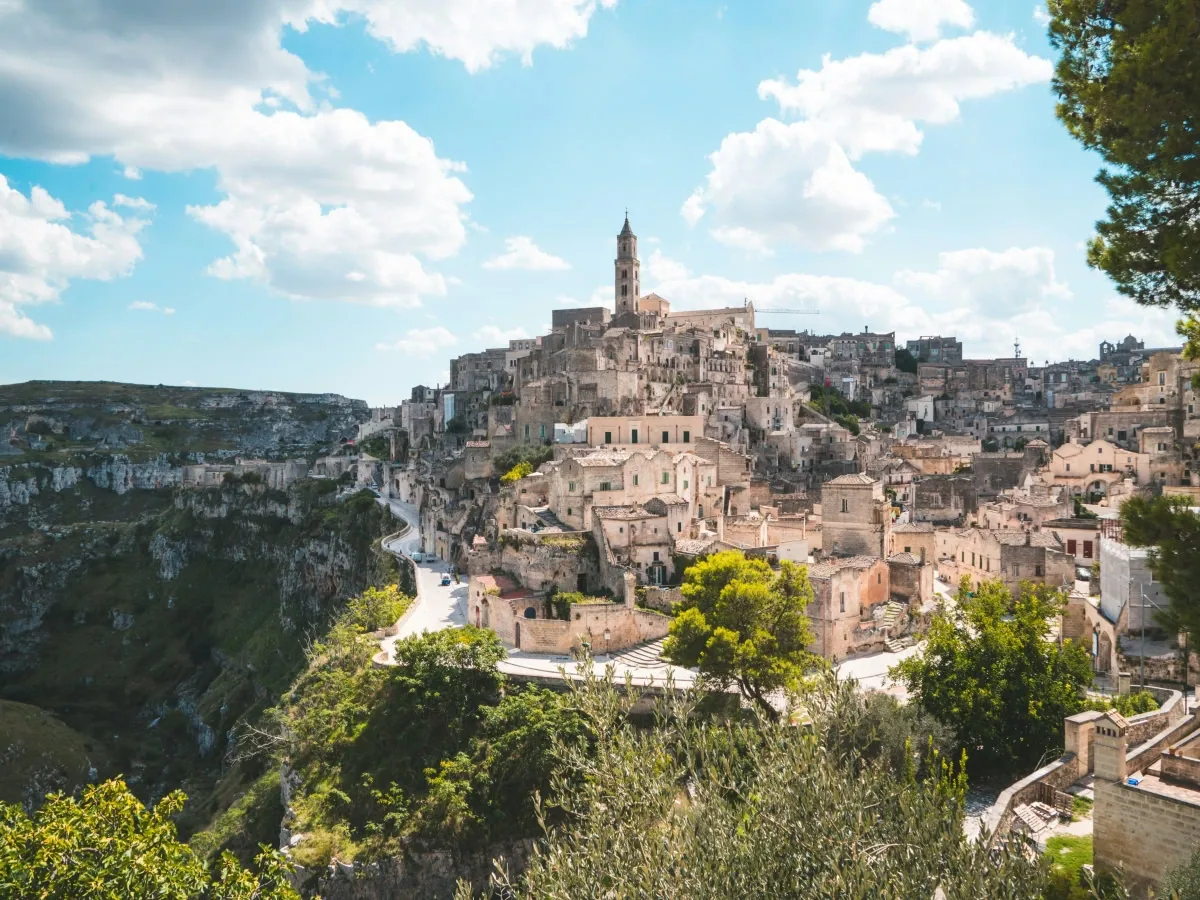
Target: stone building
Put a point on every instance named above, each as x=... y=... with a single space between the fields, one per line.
x=1146 y=819
x=944 y=499
x=856 y=517
x=1008 y=556
x=936 y=349
x=848 y=599
x=917 y=538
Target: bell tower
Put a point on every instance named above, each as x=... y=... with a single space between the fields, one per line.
x=628 y=279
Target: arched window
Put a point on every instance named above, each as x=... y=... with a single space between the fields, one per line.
x=530 y=612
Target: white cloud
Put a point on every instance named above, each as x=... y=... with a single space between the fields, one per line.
x=1041 y=15
x=41 y=254
x=139 y=203
x=1014 y=280
x=476 y=32
x=147 y=306
x=792 y=184
x=603 y=295
x=421 y=341
x=495 y=336
x=920 y=20
x=318 y=202
x=988 y=299
x=523 y=253
x=797 y=182
x=935 y=205
x=873 y=102
x=660 y=268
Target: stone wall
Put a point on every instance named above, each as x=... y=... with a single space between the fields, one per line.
x=1147 y=834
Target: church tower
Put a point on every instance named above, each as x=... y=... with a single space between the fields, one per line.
x=628 y=270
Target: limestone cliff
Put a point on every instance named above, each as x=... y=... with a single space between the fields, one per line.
x=149 y=618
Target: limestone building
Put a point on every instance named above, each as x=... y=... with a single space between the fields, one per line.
x=856 y=517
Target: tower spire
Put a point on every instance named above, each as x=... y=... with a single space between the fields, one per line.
x=627 y=270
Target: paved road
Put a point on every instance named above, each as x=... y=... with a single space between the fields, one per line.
x=436 y=607
x=871 y=672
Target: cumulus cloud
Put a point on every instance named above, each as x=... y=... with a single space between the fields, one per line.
x=318 y=202
x=988 y=299
x=494 y=336
x=476 y=33
x=139 y=203
x=147 y=306
x=41 y=254
x=603 y=295
x=1041 y=15
x=523 y=253
x=421 y=341
x=797 y=183
x=920 y=20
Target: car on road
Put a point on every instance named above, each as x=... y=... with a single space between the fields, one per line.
x=417 y=556
x=445 y=581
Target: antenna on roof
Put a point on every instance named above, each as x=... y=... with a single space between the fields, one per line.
x=1017 y=349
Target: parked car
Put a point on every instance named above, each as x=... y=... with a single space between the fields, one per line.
x=418 y=556
x=1083 y=573
x=446 y=580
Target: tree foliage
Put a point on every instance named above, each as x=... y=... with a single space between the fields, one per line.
x=1172 y=531
x=1183 y=882
x=741 y=624
x=751 y=807
x=533 y=454
x=990 y=669
x=1129 y=88
x=905 y=361
x=517 y=472
x=106 y=845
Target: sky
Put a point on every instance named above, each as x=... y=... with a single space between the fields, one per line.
x=341 y=195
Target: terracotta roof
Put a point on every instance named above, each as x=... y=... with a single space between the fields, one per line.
x=830 y=567
x=858 y=478
x=914 y=528
x=694 y=546
x=907 y=559
x=478 y=445
x=669 y=499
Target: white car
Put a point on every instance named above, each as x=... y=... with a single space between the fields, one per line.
x=418 y=556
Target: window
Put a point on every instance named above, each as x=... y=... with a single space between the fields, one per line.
x=571 y=486
x=606 y=485
x=608 y=437
x=1087 y=549
x=685 y=484
x=1016 y=571
x=1068 y=467
x=633 y=436
x=678 y=527
x=1071 y=547
x=972 y=559
x=666 y=437
x=845 y=505
x=656 y=556
x=624 y=290
x=1037 y=570
x=1162 y=377
x=526 y=432
x=879 y=578
x=687 y=435
x=570 y=512
x=635 y=481
x=842 y=600
x=908 y=549
x=666 y=477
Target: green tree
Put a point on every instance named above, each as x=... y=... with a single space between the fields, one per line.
x=905 y=361
x=106 y=845
x=1172 y=531
x=743 y=808
x=990 y=670
x=376 y=608
x=517 y=472
x=1183 y=882
x=741 y=624
x=1129 y=89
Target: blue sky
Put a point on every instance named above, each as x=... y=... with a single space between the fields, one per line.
x=340 y=195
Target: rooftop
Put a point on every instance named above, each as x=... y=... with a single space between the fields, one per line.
x=858 y=478
x=907 y=559
x=628 y=513
x=914 y=528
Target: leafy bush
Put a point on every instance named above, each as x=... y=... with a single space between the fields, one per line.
x=748 y=807
x=107 y=845
x=1126 y=704
x=517 y=472
x=376 y=608
x=527 y=453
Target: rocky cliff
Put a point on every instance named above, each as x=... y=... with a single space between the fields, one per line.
x=148 y=618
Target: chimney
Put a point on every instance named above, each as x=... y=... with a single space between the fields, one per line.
x=1109 y=748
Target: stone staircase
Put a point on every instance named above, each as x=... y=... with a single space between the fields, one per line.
x=643 y=656
x=895 y=645
x=1036 y=817
x=892 y=611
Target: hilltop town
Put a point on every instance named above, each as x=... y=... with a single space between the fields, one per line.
x=894 y=468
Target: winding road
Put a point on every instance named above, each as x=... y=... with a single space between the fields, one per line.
x=435 y=606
